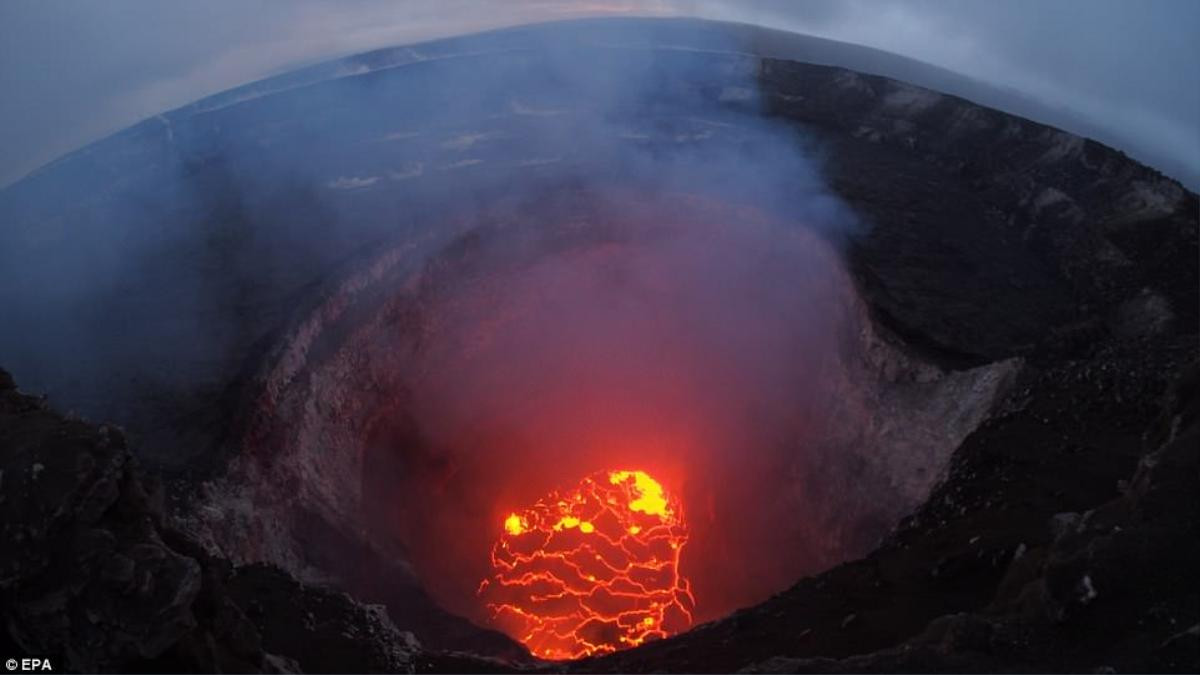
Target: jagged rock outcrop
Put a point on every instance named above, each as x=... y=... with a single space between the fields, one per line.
x=92 y=577
x=989 y=574
x=1113 y=590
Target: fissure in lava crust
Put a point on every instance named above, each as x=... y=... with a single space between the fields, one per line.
x=592 y=570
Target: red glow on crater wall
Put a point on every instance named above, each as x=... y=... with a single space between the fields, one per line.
x=593 y=569
x=697 y=345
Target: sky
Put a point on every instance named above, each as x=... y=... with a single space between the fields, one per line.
x=74 y=72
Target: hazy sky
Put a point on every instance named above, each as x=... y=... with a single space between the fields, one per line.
x=72 y=72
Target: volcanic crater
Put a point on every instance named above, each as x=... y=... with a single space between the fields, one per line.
x=721 y=352
x=380 y=337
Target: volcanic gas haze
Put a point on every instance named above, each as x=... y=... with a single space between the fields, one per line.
x=669 y=299
x=675 y=343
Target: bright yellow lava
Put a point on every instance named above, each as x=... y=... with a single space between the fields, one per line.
x=513 y=524
x=651 y=499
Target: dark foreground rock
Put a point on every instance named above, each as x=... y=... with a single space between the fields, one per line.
x=1113 y=591
x=93 y=578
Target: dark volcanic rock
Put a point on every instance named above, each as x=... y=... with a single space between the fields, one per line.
x=323 y=632
x=92 y=577
x=86 y=573
x=990 y=234
x=1113 y=591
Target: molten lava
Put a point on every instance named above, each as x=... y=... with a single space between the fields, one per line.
x=592 y=570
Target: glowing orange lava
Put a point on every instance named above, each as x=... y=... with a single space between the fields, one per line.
x=592 y=570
